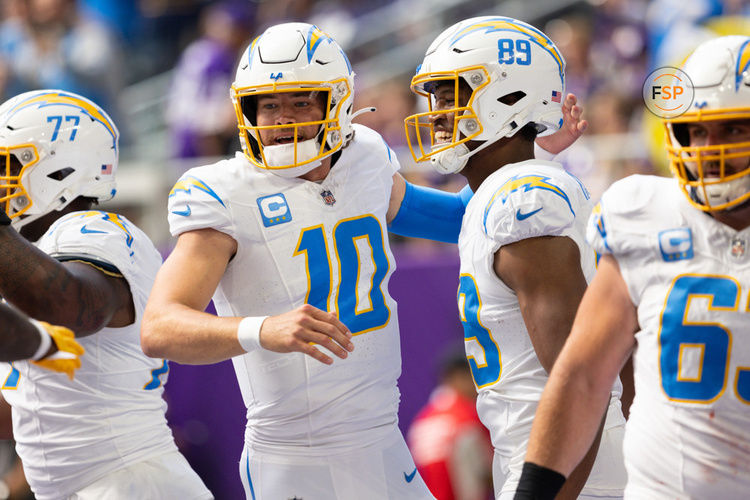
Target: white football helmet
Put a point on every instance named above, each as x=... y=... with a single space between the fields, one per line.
x=294 y=57
x=720 y=72
x=54 y=147
x=516 y=74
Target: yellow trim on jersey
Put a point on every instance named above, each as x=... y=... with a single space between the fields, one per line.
x=699 y=376
x=359 y=268
x=740 y=369
x=98 y=268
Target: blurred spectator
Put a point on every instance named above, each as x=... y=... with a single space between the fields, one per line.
x=200 y=114
x=13 y=485
x=451 y=448
x=393 y=102
x=48 y=44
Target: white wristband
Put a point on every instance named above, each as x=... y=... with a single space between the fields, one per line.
x=542 y=154
x=46 y=341
x=248 y=333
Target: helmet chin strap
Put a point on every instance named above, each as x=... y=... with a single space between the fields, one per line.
x=18 y=222
x=453 y=160
x=283 y=154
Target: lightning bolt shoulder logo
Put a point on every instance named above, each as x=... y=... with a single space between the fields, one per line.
x=525 y=183
x=113 y=219
x=189 y=182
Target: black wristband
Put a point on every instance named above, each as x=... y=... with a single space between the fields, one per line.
x=4 y=219
x=538 y=483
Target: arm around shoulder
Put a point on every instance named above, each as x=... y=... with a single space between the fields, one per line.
x=73 y=294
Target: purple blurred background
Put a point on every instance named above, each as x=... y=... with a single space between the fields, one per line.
x=206 y=410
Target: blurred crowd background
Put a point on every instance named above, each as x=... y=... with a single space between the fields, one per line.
x=163 y=69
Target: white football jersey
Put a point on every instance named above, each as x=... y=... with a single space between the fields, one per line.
x=689 y=277
x=305 y=242
x=70 y=433
x=524 y=200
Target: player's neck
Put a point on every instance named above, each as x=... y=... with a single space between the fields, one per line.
x=504 y=152
x=318 y=173
x=36 y=229
x=738 y=219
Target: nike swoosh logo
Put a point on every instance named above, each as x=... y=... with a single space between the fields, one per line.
x=85 y=230
x=410 y=477
x=184 y=213
x=521 y=216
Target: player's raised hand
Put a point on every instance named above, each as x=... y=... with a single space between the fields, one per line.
x=572 y=128
x=300 y=328
x=67 y=359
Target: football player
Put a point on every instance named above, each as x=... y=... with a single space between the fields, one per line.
x=673 y=280
x=290 y=240
x=90 y=271
x=492 y=84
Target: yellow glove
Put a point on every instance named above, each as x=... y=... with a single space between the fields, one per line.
x=67 y=358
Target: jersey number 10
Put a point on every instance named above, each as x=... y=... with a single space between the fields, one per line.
x=346 y=233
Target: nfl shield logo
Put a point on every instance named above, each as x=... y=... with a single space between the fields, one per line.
x=328 y=197
x=738 y=248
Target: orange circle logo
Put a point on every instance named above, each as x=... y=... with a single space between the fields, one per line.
x=668 y=92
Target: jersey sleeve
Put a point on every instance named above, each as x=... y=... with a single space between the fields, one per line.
x=625 y=223
x=378 y=148
x=107 y=241
x=616 y=225
x=195 y=204
x=527 y=207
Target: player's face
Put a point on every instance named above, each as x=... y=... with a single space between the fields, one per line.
x=702 y=134
x=287 y=108
x=444 y=98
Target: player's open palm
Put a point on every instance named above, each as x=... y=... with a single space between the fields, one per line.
x=300 y=328
x=572 y=127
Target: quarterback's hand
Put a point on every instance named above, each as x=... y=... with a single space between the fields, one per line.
x=298 y=329
x=571 y=129
x=67 y=358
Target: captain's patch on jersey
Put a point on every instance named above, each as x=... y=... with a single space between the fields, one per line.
x=274 y=209
x=676 y=244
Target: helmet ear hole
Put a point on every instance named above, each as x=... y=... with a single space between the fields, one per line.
x=61 y=174
x=512 y=98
